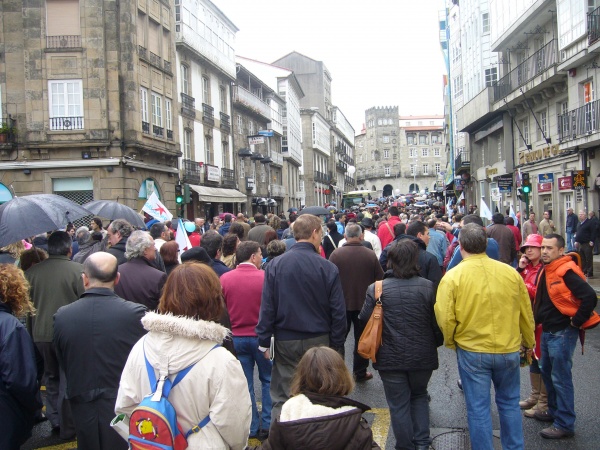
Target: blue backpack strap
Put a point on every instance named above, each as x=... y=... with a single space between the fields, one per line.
x=150 y=370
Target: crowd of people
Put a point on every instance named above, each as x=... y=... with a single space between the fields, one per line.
x=98 y=315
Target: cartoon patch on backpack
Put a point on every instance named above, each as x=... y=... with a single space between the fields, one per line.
x=146 y=428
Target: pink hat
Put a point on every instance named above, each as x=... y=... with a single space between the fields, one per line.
x=533 y=240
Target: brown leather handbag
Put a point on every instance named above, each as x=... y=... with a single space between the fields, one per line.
x=370 y=339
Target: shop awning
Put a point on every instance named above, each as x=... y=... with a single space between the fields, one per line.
x=219 y=195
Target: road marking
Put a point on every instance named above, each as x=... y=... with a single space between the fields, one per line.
x=381 y=425
x=66 y=446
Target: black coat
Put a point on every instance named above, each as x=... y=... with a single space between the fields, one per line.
x=586 y=231
x=410 y=332
x=118 y=251
x=140 y=282
x=93 y=337
x=18 y=381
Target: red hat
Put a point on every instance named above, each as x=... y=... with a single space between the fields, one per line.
x=533 y=240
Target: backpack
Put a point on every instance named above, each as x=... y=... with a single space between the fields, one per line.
x=153 y=424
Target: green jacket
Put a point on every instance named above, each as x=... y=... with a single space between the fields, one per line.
x=54 y=282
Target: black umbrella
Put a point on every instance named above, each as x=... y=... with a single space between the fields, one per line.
x=23 y=217
x=291 y=210
x=315 y=211
x=112 y=210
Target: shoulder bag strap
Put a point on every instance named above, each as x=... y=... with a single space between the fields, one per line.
x=378 y=291
x=332 y=242
x=389 y=228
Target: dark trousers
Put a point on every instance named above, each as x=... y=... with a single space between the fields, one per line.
x=58 y=409
x=406 y=395
x=92 y=424
x=587 y=258
x=287 y=357
x=360 y=364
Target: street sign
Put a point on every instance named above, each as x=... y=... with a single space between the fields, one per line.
x=579 y=180
x=545 y=187
x=565 y=183
x=267 y=133
x=252 y=140
x=546 y=178
x=505 y=183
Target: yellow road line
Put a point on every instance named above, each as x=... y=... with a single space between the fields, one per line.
x=65 y=446
x=381 y=425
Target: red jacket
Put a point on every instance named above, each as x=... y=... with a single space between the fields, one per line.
x=517 y=235
x=384 y=234
x=530 y=276
x=242 y=291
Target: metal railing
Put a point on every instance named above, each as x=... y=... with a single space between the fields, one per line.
x=208 y=114
x=156 y=60
x=191 y=171
x=320 y=177
x=158 y=131
x=349 y=181
x=579 y=122
x=167 y=66
x=66 y=123
x=225 y=123
x=188 y=105
x=251 y=101
x=341 y=165
x=170 y=135
x=593 y=26
x=63 y=41
x=463 y=158
x=537 y=63
x=142 y=52
x=145 y=127
x=227 y=178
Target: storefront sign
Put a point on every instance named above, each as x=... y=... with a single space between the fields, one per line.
x=538 y=155
x=505 y=183
x=579 y=180
x=268 y=133
x=252 y=140
x=492 y=171
x=546 y=178
x=212 y=173
x=565 y=183
x=545 y=187
x=250 y=183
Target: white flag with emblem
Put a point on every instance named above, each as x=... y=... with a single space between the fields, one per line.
x=156 y=209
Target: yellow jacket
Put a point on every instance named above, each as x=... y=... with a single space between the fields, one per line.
x=483 y=306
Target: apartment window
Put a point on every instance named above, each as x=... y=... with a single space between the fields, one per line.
x=225 y=149
x=420 y=123
x=240 y=124
x=412 y=152
x=386 y=154
x=525 y=132
x=386 y=171
x=63 y=24
x=411 y=139
x=425 y=152
x=242 y=169
x=205 y=90
x=177 y=10
x=425 y=169
x=458 y=86
x=543 y=118
x=185 y=87
x=168 y=119
x=66 y=104
x=413 y=169
x=386 y=139
x=435 y=139
x=360 y=159
x=251 y=128
x=157 y=117
x=485 y=23
x=407 y=124
x=422 y=139
x=223 y=99
x=491 y=76
x=436 y=151
x=187 y=144
x=437 y=168
x=208 y=153
x=144 y=110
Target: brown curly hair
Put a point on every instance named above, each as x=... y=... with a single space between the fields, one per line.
x=14 y=290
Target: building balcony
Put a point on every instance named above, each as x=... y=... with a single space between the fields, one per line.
x=251 y=102
x=191 y=172
x=341 y=166
x=66 y=123
x=155 y=60
x=320 y=177
x=579 y=122
x=61 y=42
x=143 y=53
x=188 y=106
x=277 y=158
x=170 y=135
x=462 y=162
x=593 y=26
x=208 y=114
x=225 y=123
x=158 y=131
x=167 y=66
x=227 y=178
x=8 y=134
x=348 y=181
x=277 y=190
x=533 y=66
x=145 y=127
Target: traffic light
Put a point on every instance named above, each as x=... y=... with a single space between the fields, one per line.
x=178 y=194
x=187 y=198
x=526 y=184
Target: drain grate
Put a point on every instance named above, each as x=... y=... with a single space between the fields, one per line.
x=457 y=439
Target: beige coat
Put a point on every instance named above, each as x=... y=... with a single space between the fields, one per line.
x=216 y=386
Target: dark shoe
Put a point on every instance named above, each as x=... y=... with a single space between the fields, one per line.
x=263 y=435
x=459 y=384
x=366 y=377
x=555 y=433
x=543 y=416
x=41 y=417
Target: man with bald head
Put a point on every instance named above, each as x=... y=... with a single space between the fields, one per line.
x=93 y=337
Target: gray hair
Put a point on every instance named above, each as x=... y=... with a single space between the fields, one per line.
x=472 y=238
x=353 y=230
x=137 y=244
x=122 y=227
x=83 y=235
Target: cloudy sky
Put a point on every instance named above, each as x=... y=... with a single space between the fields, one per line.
x=379 y=52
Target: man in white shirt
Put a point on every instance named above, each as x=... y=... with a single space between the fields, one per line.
x=370 y=236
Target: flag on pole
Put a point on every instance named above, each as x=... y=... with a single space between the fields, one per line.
x=181 y=237
x=484 y=211
x=512 y=214
x=156 y=209
x=462 y=196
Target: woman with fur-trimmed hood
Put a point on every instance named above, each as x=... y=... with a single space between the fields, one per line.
x=184 y=332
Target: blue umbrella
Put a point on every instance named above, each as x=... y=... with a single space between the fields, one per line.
x=372 y=205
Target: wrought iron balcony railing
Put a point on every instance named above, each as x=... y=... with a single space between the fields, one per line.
x=537 y=63
x=579 y=122
x=593 y=26
x=145 y=127
x=191 y=172
x=463 y=159
x=188 y=106
x=158 y=131
x=225 y=123
x=66 y=123
x=170 y=135
x=227 y=178
x=208 y=114
x=63 y=41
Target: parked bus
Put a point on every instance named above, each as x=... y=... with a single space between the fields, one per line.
x=354 y=198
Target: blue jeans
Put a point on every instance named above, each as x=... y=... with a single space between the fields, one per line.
x=477 y=372
x=406 y=395
x=248 y=354
x=556 y=365
x=570 y=240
